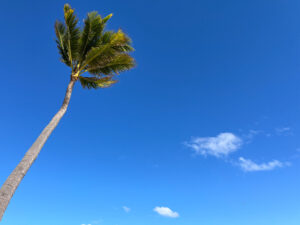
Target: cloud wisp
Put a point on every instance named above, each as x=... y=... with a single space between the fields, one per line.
x=166 y=212
x=126 y=209
x=248 y=165
x=284 y=131
x=221 y=145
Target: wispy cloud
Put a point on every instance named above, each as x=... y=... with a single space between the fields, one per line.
x=286 y=131
x=126 y=209
x=283 y=129
x=221 y=145
x=250 y=166
x=251 y=134
x=165 y=211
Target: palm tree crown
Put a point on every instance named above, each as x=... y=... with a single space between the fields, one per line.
x=103 y=54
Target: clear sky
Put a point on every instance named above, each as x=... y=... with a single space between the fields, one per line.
x=207 y=125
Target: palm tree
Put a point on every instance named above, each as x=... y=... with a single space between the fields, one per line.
x=103 y=54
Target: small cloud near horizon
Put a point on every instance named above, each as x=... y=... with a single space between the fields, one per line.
x=166 y=212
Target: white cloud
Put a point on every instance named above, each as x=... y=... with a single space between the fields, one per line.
x=283 y=129
x=250 y=166
x=165 y=211
x=221 y=145
x=126 y=209
x=286 y=131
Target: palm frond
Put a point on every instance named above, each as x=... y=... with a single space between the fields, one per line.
x=112 y=44
x=118 y=40
x=72 y=34
x=93 y=82
x=91 y=34
x=112 y=65
x=60 y=31
x=105 y=19
x=93 y=20
x=95 y=53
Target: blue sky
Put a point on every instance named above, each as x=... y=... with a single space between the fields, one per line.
x=205 y=130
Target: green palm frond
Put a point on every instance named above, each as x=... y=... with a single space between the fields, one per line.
x=93 y=82
x=72 y=34
x=96 y=53
x=112 y=65
x=93 y=26
x=112 y=44
x=60 y=31
x=105 y=19
x=119 y=41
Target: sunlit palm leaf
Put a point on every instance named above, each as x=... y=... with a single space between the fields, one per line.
x=72 y=34
x=93 y=26
x=118 y=40
x=60 y=31
x=113 y=65
x=105 y=19
x=93 y=82
x=111 y=45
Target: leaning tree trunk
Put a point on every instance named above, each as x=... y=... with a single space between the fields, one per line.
x=9 y=187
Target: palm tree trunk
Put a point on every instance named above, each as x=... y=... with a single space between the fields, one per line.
x=9 y=187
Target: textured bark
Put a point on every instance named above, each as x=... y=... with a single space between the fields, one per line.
x=9 y=187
